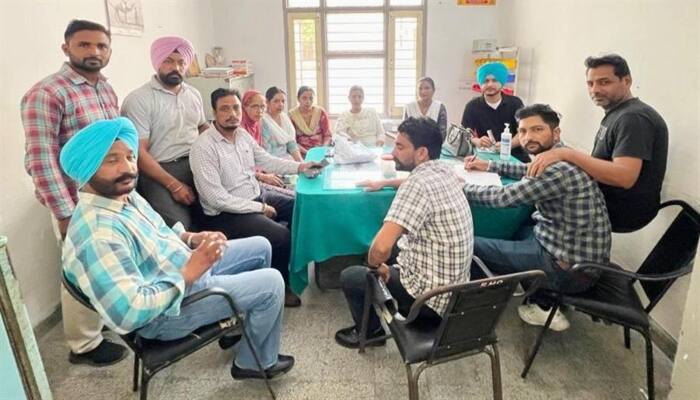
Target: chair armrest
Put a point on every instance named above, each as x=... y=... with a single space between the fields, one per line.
x=483 y=267
x=214 y=291
x=617 y=270
x=382 y=298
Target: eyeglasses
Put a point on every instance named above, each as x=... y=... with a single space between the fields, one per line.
x=257 y=107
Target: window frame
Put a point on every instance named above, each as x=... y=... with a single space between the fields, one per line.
x=320 y=14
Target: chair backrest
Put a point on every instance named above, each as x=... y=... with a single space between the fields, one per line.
x=474 y=310
x=675 y=250
x=76 y=293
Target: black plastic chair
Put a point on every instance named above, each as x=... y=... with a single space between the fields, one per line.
x=468 y=325
x=155 y=355
x=614 y=299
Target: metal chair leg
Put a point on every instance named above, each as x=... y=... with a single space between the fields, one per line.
x=627 y=337
x=496 y=372
x=258 y=363
x=365 y=320
x=412 y=383
x=317 y=277
x=136 y=373
x=538 y=342
x=650 y=366
x=145 y=378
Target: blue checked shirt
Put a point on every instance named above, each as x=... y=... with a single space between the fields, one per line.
x=572 y=220
x=126 y=260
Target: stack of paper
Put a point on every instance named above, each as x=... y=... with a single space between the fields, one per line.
x=481 y=178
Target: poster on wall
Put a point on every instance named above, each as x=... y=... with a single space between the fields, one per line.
x=125 y=17
x=476 y=2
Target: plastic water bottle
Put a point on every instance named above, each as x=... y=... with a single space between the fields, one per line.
x=506 y=138
x=330 y=152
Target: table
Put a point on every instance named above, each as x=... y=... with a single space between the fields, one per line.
x=329 y=223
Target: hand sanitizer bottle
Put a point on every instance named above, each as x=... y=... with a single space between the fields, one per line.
x=506 y=138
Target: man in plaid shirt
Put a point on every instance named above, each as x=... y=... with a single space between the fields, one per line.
x=52 y=111
x=430 y=222
x=571 y=221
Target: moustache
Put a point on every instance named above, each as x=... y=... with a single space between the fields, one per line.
x=174 y=73
x=125 y=177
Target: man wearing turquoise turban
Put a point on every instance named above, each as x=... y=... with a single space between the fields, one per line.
x=493 y=109
x=135 y=270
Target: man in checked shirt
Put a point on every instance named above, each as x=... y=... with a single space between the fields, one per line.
x=431 y=224
x=571 y=221
x=52 y=111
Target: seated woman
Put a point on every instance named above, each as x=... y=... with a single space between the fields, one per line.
x=310 y=121
x=360 y=124
x=278 y=134
x=253 y=104
x=426 y=106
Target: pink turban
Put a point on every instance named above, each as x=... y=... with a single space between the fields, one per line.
x=165 y=46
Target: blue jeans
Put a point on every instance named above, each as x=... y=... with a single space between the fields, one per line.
x=525 y=253
x=257 y=290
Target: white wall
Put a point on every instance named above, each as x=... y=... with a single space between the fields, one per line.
x=450 y=32
x=684 y=381
x=32 y=32
x=253 y=30
x=660 y=42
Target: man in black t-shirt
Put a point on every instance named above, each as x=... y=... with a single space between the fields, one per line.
x=630 y=149
x=493 y=109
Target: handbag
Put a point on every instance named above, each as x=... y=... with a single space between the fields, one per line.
x=458 y=141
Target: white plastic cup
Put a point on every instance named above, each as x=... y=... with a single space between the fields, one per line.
x=388 y=169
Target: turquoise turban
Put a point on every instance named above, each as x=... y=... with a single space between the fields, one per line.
x=497 y=69
x=82 y=155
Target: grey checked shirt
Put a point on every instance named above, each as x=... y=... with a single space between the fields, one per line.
x=437 y=247
x=224 y=171
x=572 y=221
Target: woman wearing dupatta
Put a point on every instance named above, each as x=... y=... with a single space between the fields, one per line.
x=278 y=133
x=253 y=104
x=310 y=121
x=426 y=106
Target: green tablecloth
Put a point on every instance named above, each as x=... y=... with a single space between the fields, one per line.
x=329 y=223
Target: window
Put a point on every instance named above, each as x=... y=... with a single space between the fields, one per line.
x=335 y=44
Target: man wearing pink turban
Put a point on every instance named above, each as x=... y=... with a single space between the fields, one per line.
x=169 y=115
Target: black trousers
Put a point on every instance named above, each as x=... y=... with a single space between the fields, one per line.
x=236 y=226
x=354 y=282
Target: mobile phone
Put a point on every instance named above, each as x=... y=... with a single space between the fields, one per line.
x=321 y=164
x=311 y=173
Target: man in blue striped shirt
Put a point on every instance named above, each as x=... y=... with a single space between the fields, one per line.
x=136 y=270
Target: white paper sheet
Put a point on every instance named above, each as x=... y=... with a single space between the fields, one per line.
x=481 y=178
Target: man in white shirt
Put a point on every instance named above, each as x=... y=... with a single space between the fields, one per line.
x=224 y=160
x=168 y=115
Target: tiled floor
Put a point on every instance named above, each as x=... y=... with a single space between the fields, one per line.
x=587 y=362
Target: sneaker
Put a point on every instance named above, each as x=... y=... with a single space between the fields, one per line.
x=534 y=315
x=106 y=353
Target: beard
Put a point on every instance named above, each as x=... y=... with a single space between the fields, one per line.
x=404 y=166
x=537 y=150
x=88 y=64
x=228 y=125
x=172 y=79
x=111 y=188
